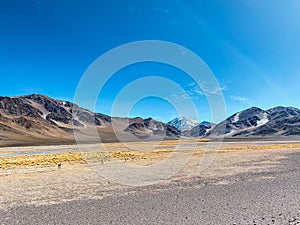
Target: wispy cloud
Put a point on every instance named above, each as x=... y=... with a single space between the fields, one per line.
x=238 y=98
x=195 y=90
x=203 y=89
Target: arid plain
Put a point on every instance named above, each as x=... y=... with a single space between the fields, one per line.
x=43 y=176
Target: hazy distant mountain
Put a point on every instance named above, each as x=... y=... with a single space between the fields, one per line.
x=182 y=123
x=38 y=119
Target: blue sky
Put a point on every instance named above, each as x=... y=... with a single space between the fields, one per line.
x=252 y=47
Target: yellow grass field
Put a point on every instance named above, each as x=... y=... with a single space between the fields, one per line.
x=163 y=150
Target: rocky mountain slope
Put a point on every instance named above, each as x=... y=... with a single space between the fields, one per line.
x=39 y=119
x=255 y=122
x=200 y=130
x=144 y=128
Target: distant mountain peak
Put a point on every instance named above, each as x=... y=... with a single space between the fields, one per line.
x=183 y=123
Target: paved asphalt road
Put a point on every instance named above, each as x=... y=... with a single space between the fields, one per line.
x=249 y=200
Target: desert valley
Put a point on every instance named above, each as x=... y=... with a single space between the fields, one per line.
x=44 y=171
x=149 y=112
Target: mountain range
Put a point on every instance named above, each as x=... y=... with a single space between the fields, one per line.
x=254 y=122
x=37 y=119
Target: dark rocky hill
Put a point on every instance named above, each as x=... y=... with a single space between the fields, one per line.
x=38 y=119
x=254 y=122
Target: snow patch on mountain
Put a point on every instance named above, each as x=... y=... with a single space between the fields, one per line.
x=183 y=123
x=236 y=118
x=263 y=120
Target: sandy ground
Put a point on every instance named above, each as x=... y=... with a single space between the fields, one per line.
x=45 y=183
x=41 y=183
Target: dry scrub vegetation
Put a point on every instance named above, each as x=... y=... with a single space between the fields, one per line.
x=45 y=159
x=261 y=147
x=82 y=157
x=120 y=152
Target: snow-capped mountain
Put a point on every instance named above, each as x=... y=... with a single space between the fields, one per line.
x=182 y=123
x=255 y=122
x=246 y=120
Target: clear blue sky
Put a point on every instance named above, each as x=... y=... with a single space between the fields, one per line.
x=252 y=47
